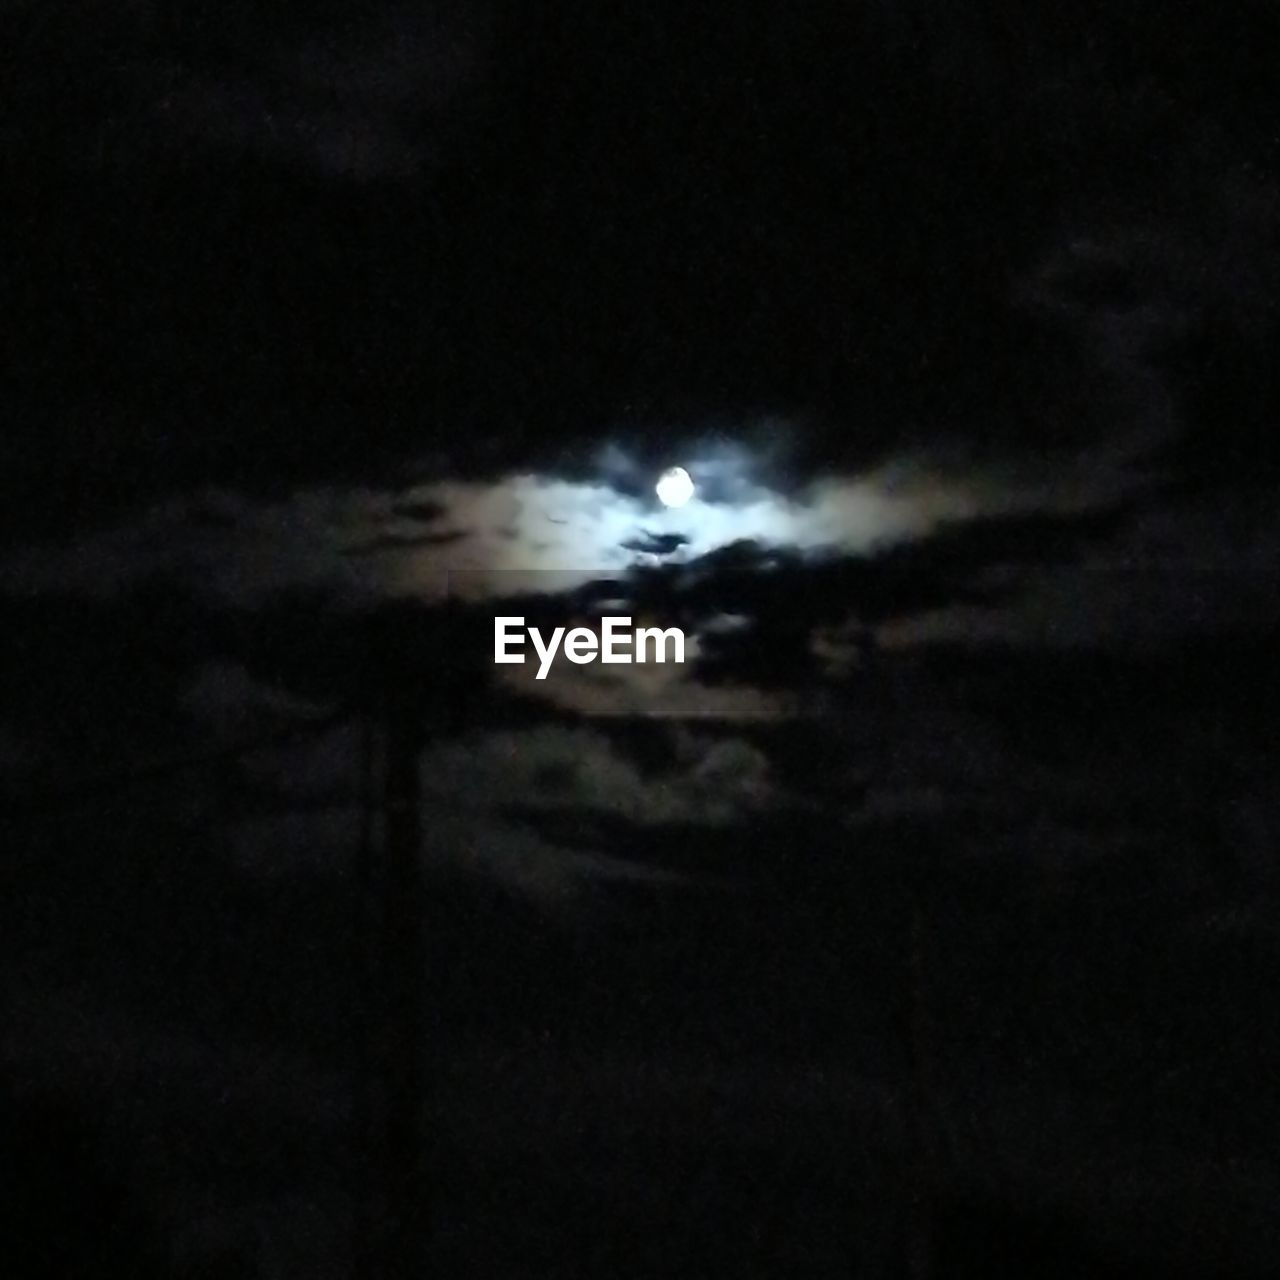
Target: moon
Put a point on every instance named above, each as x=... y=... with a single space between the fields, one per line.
x=674 y=487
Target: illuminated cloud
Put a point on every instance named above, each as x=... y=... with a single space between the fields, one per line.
x=524 y=526
x=711 y=781
x=528 y=533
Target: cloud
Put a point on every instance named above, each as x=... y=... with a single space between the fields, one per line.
x=229 y=548
x=305 y=819
x=519 y=532
x=360 y=549
x=1202 y=565
x=358 y=140
x=706 y=777
x=1162 y=286
x=710 y=780
x=525 y=528
x=356 y=101
x=228 y=703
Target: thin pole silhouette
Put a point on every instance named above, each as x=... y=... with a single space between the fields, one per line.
x=366 y=1198
x=404 y=981
x=922 y=1152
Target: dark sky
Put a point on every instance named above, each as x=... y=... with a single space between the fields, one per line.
x=460 y=222
x=330 y=329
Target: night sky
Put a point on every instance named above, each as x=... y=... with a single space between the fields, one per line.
x=335 y=331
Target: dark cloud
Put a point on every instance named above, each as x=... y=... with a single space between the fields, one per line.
x=401 y=542
x=353 y=95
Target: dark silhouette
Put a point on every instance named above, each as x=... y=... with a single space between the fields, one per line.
x=66 y=1212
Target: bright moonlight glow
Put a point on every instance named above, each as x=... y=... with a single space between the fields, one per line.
x=675 y=487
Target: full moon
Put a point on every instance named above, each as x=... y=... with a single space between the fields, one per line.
x=675 y=487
